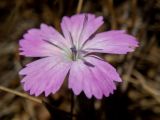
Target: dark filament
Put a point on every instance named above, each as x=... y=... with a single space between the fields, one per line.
x=53 y=44
x=88 y=63
x=74 y=53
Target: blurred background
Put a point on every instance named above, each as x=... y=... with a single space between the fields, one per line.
x=137 y=98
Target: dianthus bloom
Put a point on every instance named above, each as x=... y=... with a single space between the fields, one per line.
x=73 y=53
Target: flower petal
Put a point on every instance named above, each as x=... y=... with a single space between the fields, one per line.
x=80 y=79
x=95 y=79
x=115 y=41
x=45 y=75
x=42 y=42
x=80 y=27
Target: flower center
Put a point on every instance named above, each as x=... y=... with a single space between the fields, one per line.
x=78 y=54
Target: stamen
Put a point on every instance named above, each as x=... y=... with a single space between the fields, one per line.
x=88 y=63
x=83 y=27
x=93 y=49
x=71 y=39
x=53 y=44
x=85 y=20
x=90 y=38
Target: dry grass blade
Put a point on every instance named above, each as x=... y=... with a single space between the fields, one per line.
x=23 y=95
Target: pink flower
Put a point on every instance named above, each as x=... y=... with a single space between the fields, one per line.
x=73 y=53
